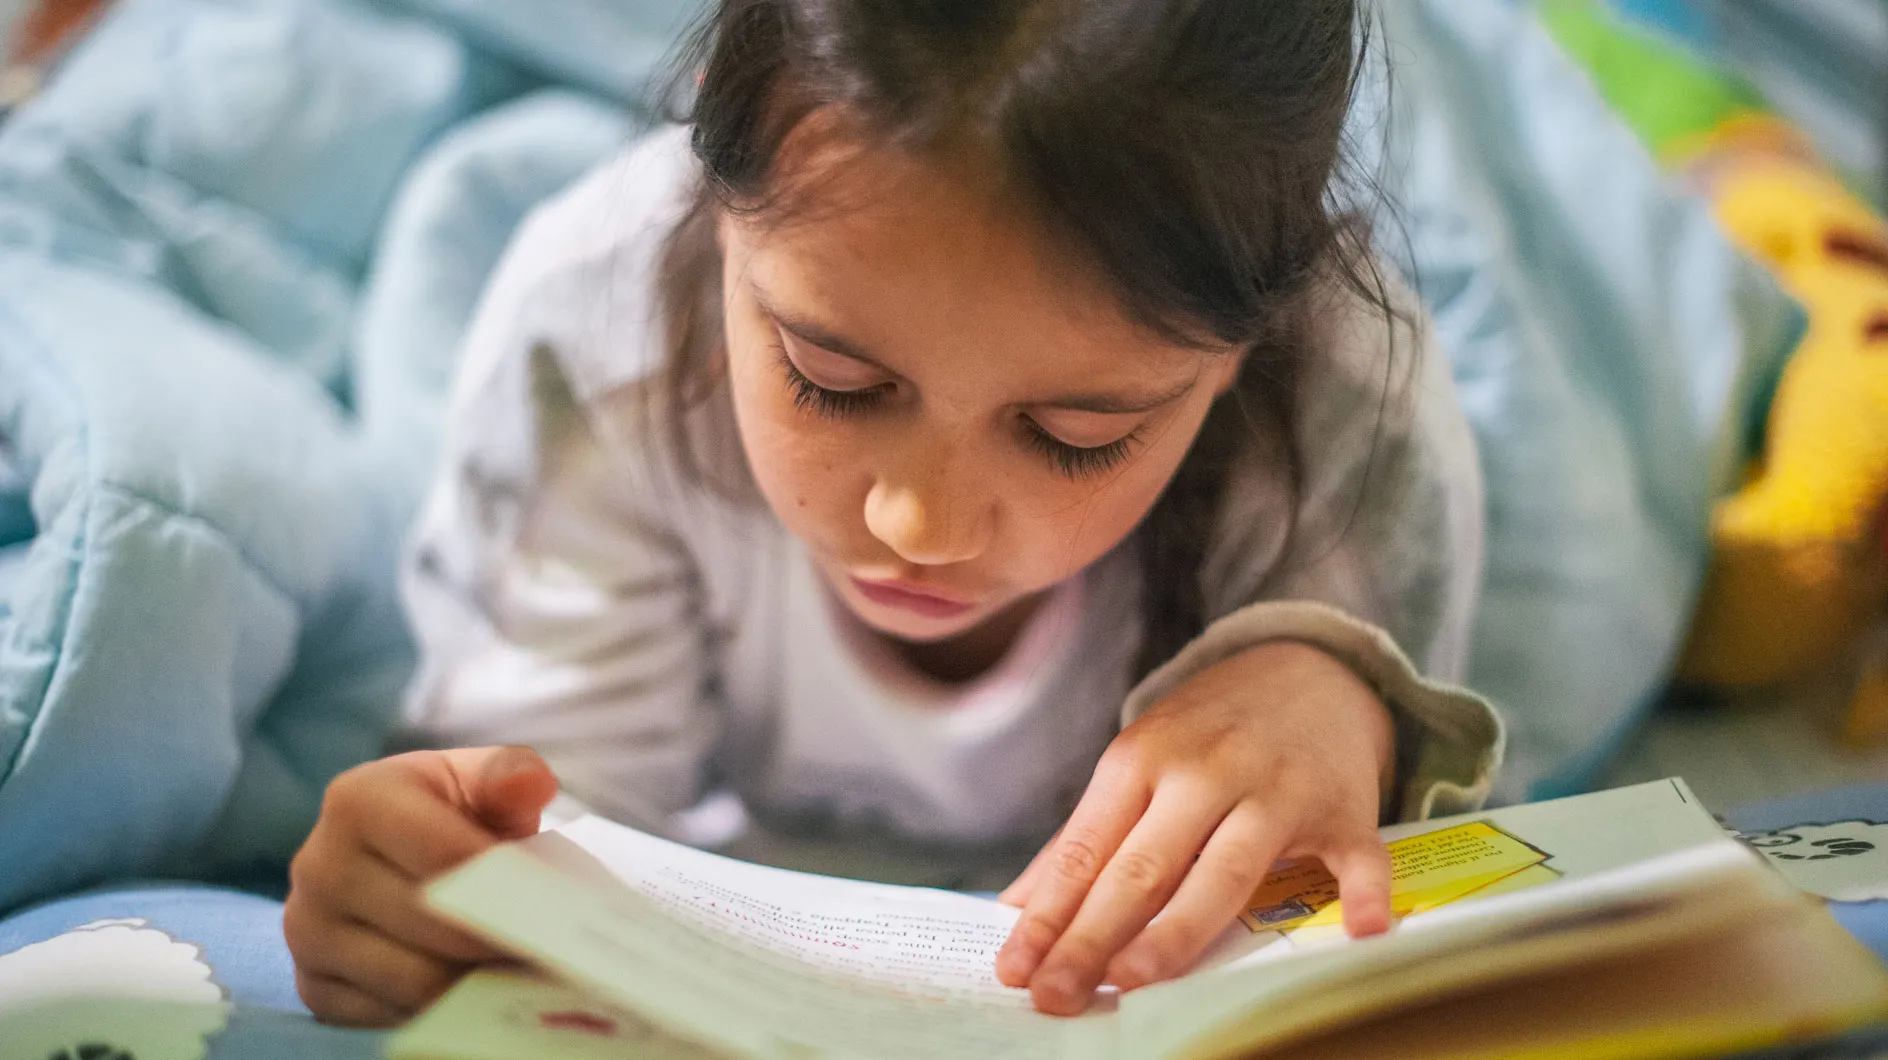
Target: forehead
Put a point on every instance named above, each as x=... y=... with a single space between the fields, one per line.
x=915 y=257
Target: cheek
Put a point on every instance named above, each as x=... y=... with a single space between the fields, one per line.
x=798 y=461
x=1063 y=526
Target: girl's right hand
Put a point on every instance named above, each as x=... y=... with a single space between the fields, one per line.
x=367 y=953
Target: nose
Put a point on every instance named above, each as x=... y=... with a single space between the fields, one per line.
x=930 y=523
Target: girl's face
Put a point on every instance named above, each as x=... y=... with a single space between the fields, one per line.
x=949 y=415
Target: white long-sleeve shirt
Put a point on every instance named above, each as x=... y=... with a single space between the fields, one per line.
x=658 y=641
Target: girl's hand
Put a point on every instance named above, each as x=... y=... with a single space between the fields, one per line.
x=367 y=953
x=1280 y=751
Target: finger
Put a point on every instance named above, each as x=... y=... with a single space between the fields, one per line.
x=507 y=788
x=378 y=966
x=1094 y=831
x=332 y=879
x=335 y=1002
x=1234 y=861
x=374 y=893
x=1361 y=864
x=416 y=830
x=1138 y=880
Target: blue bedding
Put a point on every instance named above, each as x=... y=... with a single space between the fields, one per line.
x=1613 y=355
x=237 y=243
x=239 y=240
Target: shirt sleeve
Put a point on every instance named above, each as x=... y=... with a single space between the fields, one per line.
x=555 y=601
x=1381 y=562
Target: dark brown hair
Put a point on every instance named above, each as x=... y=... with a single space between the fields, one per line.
x=1188 y=150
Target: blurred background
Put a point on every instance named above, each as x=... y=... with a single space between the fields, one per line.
x=239 y=240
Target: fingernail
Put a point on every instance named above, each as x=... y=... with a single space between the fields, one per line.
x=513 y=761
x=1059 y=992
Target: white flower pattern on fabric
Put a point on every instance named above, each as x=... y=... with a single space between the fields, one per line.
x=1846 y=861
x=118 y=988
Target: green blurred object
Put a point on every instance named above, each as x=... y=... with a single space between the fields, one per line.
x=1663 y=91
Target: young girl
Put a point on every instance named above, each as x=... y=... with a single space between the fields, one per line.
x=976 y=422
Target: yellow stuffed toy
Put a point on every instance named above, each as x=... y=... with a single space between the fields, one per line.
x=1799 y=574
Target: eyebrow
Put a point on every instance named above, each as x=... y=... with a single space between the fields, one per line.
x=1107 y=404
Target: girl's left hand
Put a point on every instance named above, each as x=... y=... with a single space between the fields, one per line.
x=1280 y=751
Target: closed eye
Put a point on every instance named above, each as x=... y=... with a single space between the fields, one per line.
x=824 y=401
x=1076 y=461
x=1072 y=461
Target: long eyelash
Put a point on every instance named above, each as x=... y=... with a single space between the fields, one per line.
x=1076 y=461
x=832 y=404
x=1073 y=461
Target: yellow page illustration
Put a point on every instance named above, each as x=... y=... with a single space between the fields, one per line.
x=1427 y=871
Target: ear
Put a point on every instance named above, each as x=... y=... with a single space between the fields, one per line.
x=1228 y=366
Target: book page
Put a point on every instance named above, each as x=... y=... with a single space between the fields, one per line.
x=1612 y=869
x=760 y=962
x=1427 y=871
x=1784 y=979
x=1242 y=1008
x=909 y=938
x=501 y=1015
x=1472 y=856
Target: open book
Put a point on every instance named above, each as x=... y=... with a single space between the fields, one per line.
x=1623 y=923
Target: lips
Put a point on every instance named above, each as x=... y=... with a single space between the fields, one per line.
x=904 y=596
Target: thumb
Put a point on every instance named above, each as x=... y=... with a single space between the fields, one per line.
x=507 y=789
